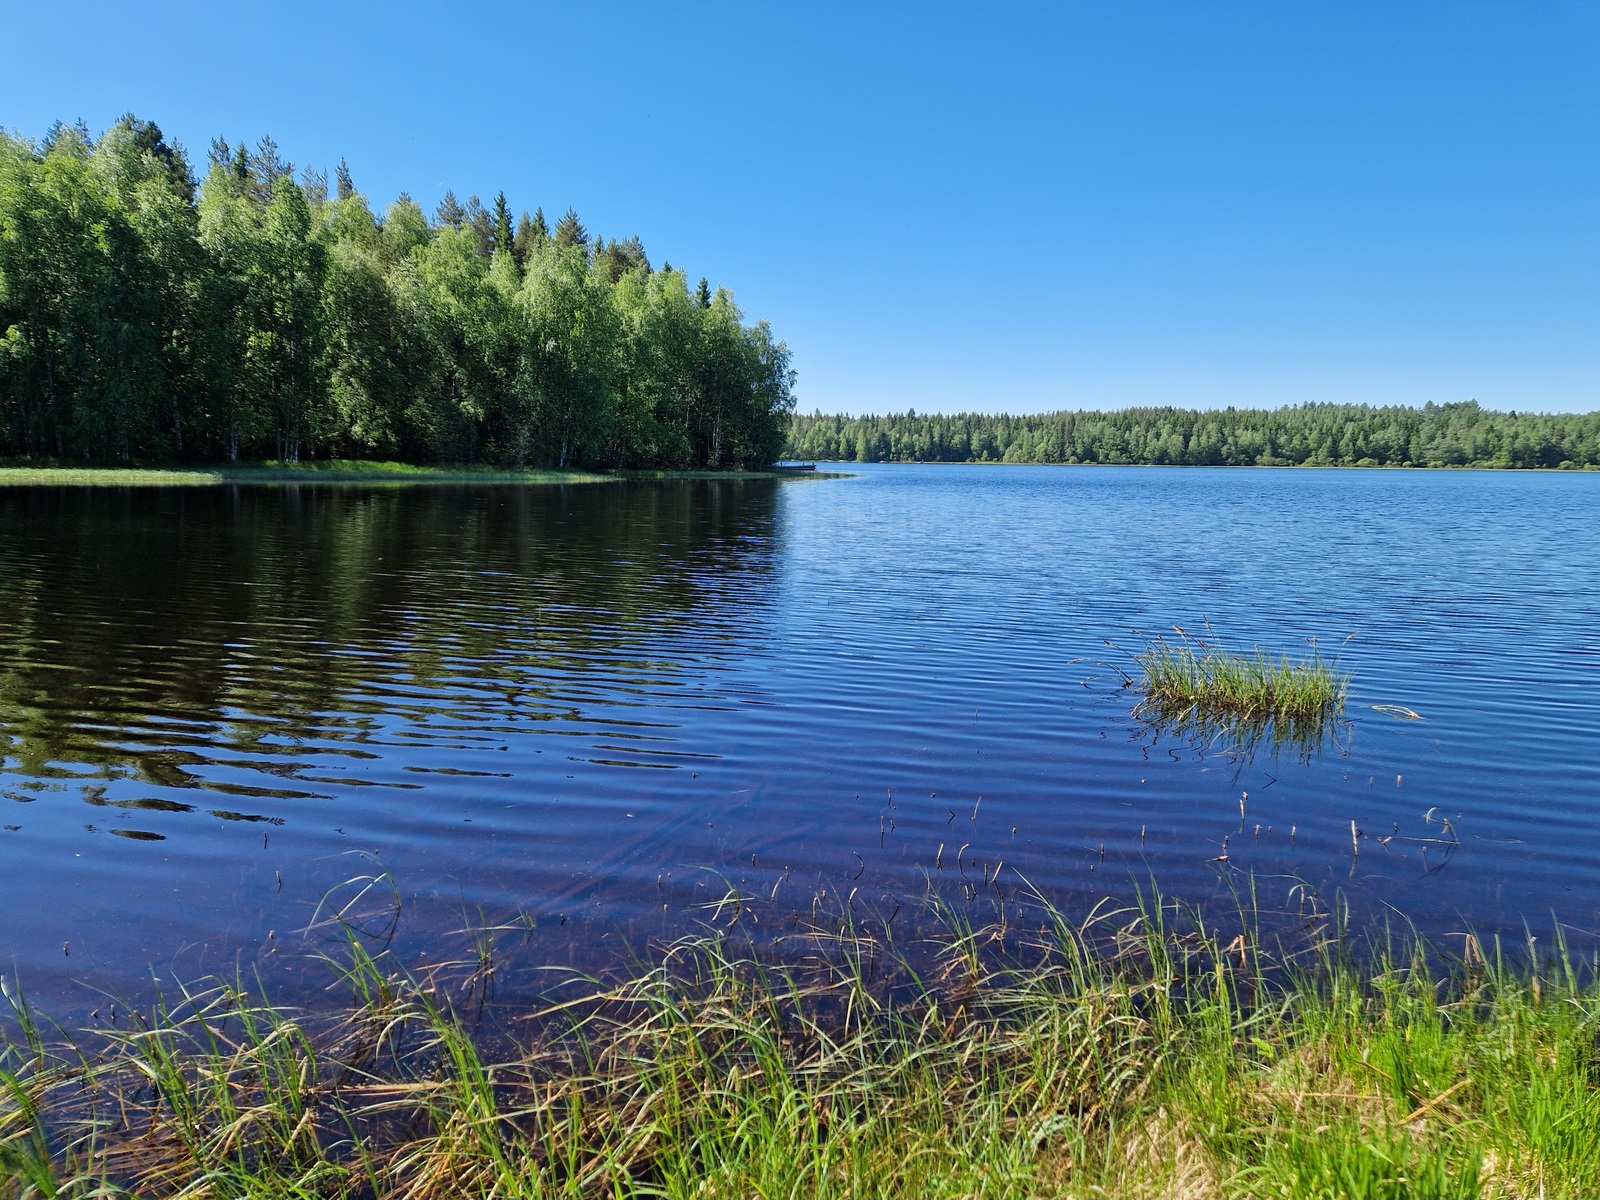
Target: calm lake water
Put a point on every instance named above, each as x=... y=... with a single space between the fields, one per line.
x=593 y=710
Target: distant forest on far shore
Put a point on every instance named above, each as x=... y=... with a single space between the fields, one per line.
x=150 y=315
x=1348 y=435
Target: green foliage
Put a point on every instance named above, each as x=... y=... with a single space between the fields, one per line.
x=532 y=236
x=1349 y=435
x=143 y=322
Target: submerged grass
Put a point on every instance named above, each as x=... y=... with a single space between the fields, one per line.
x=1118 y=1057
x=1192 y=678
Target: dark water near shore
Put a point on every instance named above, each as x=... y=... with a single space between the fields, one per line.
x=594 y=709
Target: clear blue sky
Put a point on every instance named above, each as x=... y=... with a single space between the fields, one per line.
x=996 y=207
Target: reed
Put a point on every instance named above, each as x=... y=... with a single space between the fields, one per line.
x=1192 y=678
x=1134 y=1054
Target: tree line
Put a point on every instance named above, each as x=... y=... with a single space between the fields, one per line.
x=1352 y=435
x=148 y=315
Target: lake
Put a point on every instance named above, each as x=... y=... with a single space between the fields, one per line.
x=587 y=713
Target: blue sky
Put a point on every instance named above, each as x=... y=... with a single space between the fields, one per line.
x=996 y=207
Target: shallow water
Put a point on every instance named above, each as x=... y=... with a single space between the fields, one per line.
x=592 y=710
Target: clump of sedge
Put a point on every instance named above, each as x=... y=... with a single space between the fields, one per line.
x=1192 y=678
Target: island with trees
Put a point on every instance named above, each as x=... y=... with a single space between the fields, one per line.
x=147 y=316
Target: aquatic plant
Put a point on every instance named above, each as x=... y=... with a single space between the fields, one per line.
x=1193 y=679
x=1138 y=1053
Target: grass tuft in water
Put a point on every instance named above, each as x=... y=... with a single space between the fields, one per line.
x=1192 y=679
x=1125 y=1056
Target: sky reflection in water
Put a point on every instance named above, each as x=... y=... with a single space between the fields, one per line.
x=592 y=710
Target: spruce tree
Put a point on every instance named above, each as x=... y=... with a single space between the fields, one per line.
x=526 y=242
x=345 y=186
x=482 y=226
x=570 y=231
x=147 y=139
x=630 y=254
x=704 y=294
x=503 y=237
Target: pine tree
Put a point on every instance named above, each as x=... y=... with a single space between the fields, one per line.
x=541 y=229
x=704 y=294
x=314 y=184
x=344 y=184
x=267 y=166
x=450 y=211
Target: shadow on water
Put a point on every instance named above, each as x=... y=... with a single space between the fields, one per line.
x=239 y=680
x=1244 y=739
x=250 y=623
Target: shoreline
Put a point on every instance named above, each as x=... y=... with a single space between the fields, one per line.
x=389 y=474
x=351 y=472
x=1439 y=468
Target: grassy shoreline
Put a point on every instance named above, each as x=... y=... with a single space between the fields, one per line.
x=341 y=471
x=1127 y=1056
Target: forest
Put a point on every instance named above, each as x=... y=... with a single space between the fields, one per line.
x=147 y=315
x=1356 y=435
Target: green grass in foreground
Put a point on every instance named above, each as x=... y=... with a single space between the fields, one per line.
x=1192 y=678
x=1125 y=1059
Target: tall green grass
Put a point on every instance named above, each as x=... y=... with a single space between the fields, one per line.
x=1126 y=1056
x=1193 y=678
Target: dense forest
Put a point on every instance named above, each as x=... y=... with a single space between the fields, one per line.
x=1447 y=435
x=147 y=315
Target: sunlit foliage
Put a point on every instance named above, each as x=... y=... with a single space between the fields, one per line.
x=1351 y=435
x=149 y=317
